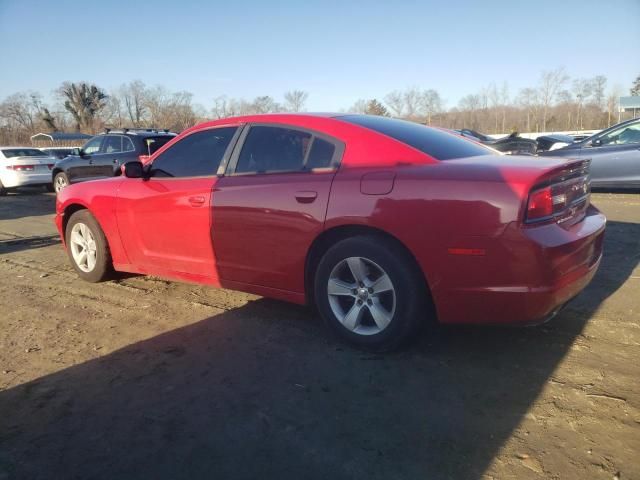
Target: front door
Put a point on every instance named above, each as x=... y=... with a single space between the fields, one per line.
x=616 y=157
x=272 y=205
x=165 y=220
x=79 y=168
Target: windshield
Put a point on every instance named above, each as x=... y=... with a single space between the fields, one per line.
x=432 y=141
x=23 y=152
x=152 y=144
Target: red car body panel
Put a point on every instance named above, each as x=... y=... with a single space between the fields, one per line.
x=254 y=232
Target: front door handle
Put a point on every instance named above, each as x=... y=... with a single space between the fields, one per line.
x=306 y=196
x=196 y=201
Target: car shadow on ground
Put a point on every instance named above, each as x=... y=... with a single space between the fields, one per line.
x=27 y=202
x=27 y=243
x=261 y=392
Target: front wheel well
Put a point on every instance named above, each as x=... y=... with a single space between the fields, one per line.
x=68 y=211
x=330 y=237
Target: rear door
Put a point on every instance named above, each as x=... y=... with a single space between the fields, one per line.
x=271 y=205
x=165 y=221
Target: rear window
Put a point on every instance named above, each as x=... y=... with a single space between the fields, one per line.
x=436 y=143
x=23 y=152
x=151 y=144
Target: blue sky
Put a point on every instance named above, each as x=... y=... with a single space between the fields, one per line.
x=338 y=51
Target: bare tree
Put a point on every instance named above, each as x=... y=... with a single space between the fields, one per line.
x=412 y=100
x=431 y=104
x=295 y=100
x=582 y=89
x=134 y=97
x=529 y=100
x=360 y=106
x=395 y=101
x=84 y=101
x=599 y=84
x=551 y=82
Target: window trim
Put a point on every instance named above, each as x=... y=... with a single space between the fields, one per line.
x=104 y=142
x=335 y=163
x=227 y=152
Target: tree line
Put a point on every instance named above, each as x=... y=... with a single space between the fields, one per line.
x=556 y=102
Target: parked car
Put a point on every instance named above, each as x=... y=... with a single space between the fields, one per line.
x=380 y=223
x=614 y=154
x=104 y=154
x=511 y=144
x=553 y=141
x=58 y=152
x=22 y=166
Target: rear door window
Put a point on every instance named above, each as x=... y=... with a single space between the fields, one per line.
x=112 y=144
x=271 y=149
x=153 y=144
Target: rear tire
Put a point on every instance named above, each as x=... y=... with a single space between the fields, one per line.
x=3 y=191
x=49 y=187
x=370 y=292
x=60 y=182
x=87 y=247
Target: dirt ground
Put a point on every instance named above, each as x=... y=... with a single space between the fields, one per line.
x=149 y=379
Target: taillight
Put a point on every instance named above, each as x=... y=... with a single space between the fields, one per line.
x=558 y=201
x=21 y=168
x=540 y=204
x=50 y=165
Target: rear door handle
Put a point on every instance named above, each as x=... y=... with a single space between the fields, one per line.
x=306 y=196
x=196 y=201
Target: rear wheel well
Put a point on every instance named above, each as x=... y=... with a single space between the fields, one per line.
x=330 y=237
x=55 y=172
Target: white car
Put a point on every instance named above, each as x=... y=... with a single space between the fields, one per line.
x=20 y=166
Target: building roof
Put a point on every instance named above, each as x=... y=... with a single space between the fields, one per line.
x=61 y=136
x=630 y=102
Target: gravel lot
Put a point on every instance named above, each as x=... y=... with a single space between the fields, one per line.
x=144 y=378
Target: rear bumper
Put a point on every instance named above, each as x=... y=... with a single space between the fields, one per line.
x=12 y=179
x=544 y=266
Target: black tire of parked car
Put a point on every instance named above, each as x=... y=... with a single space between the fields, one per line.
x=411 y=293
x=49 y=187
x=104 y=267
x=3 y=191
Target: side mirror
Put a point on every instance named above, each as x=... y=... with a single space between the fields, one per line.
x=596 y=142
x=132 y=170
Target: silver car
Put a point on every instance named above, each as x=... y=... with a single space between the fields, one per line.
x=614 y=154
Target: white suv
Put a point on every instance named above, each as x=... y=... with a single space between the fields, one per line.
x=20 y=166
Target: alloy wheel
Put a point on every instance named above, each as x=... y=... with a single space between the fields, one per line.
x=61 y=183
x=83 y=247
x=361 y=295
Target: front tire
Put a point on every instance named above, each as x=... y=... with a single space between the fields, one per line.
x=60 y=182
x=87 y=247
x=370 y=292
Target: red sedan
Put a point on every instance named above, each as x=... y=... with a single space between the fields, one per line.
x=379 y=223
